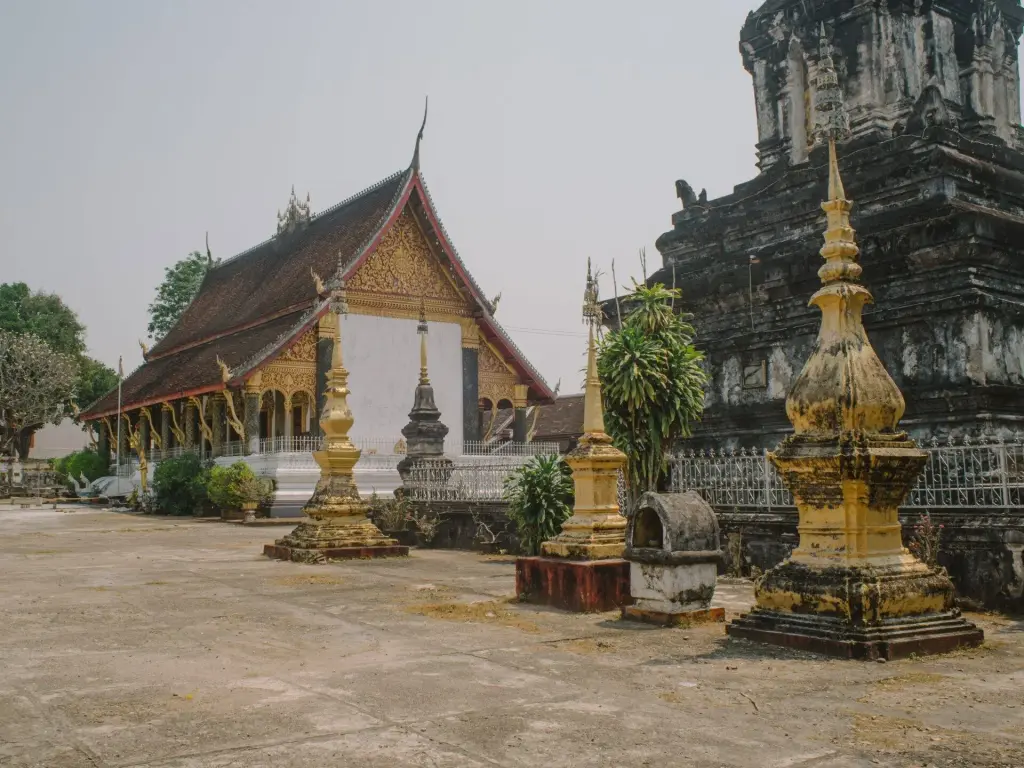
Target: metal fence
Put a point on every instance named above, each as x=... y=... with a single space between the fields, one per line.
x=958 y=475
x=444 y=480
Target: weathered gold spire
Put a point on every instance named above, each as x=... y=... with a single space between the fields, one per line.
x=338 y=526
x=843 y=387
x=596 y=530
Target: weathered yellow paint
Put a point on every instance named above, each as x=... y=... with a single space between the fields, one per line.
x=596 y=530
x=847 y=465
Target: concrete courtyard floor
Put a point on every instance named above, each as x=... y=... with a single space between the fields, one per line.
x=131 y=641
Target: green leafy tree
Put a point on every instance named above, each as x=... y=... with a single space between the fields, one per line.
x=179 y=287
x=94 y=381
x=653 y=384
x=44 y=315
x=540 y=495
x=180 y=485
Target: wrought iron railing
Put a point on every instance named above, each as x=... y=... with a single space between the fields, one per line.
x=445 y=480
x=495 y=448
x=958 y=475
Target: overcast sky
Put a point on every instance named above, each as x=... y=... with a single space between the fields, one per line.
x=557 y=129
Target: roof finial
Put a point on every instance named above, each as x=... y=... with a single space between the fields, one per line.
x=419 y=136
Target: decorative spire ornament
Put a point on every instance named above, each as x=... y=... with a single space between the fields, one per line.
x=850 y=588
x=295 y=214
x=339 y=526
x=596 y=530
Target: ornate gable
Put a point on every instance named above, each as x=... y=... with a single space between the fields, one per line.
x=401 y=272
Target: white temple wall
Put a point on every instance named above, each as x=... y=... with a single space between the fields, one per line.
x=382 y=355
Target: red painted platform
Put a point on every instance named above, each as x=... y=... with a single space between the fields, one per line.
x=581 y=586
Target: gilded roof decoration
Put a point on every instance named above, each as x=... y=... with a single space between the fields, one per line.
x=295 y=214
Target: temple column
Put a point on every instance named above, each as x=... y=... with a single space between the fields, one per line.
x=289 y=423
x=519 y=414
x=189 y=414
x=326 y=329
x=470 y=381
x=103 y=441
x=122 y=439
x=217 y=424
x=165 y=429
x=252 y=420
x=143 y=435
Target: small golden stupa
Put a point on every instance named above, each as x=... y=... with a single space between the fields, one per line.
x=338 y=526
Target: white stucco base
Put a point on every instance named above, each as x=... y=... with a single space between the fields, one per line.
x=672 y=588
x=295 y=476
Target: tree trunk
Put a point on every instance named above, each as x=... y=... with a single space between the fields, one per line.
x=22 y=442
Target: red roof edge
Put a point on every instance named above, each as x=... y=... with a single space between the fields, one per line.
x=496 y=334
x=206 y=389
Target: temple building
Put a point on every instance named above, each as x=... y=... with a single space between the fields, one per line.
x=243 y=370
x=935 y=161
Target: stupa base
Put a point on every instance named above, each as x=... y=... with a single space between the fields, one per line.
x=580 y=586
x=891 y=639
x=322 y=555
x=673 y=619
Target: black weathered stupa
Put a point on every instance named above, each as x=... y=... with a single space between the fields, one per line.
x=934 y=160
x=424 y=434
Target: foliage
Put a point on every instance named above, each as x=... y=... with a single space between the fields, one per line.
x=94 y=381
x=86 y=462
x=179 y=287
x=926 y=540
x=652 y=383
x=427 y=525
x=180 y=485
x=36 y=385
x=389 y=514
x=231 y=487
x=43 y=315
x=540 y=496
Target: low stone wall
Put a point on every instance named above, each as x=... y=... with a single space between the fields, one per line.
x=468 y=525
x=982 y=551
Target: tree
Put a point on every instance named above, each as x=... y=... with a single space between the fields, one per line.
x=94 y=381
x=87 y=462
x=653 y=384
x=179 y=287
x=44 y=315
x=36 y=386
x=540 y=495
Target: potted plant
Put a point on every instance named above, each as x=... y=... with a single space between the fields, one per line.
x=237 y=491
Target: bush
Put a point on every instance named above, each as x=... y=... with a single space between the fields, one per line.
x=180 y=485
x=540 y=495
x=231 y=487
x=85 y=462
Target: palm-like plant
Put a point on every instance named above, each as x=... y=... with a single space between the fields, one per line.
x=540 y=496
x=652 y=382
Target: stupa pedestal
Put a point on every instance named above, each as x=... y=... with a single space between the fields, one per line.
x=850 y=588
x=582 y=568
x=338 y=526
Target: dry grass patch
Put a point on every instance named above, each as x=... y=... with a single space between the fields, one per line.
x=489 y=612
x=305 y=579
x=586 y=645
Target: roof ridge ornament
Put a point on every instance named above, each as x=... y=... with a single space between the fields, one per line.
x=295 y=214
x=419 y=136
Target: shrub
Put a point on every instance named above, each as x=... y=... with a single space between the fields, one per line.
x=231 y=487
x=180 y=485
x=85 y=462
x=926 y=540
x=389 y=514
x=540 y=497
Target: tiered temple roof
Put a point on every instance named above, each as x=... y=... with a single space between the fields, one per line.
x=253 y=306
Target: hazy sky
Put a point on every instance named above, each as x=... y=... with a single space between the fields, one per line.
x=557 y=129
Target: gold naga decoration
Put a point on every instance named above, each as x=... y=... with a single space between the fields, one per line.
x=135 y=442
x=153 y=434
x=145 y=349
x=204 y=428
x=92 y=435
x=229 y=400
x=318 y=282
x=111 y=432
x=536 y=413
x=177 y=431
